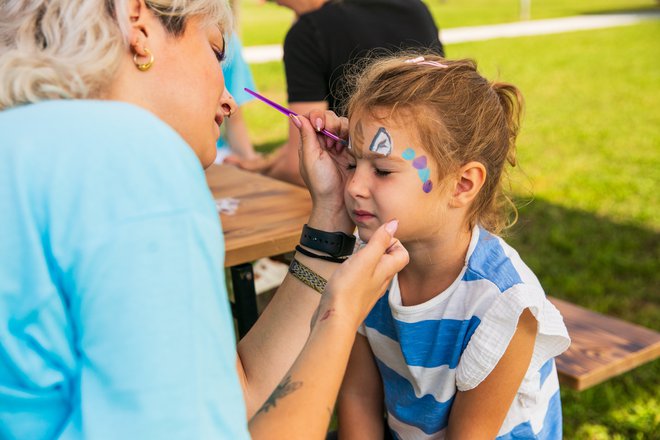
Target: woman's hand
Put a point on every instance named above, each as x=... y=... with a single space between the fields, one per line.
x=355 y=287
x=322 y=167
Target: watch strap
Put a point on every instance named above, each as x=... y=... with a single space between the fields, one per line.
x=337 y=244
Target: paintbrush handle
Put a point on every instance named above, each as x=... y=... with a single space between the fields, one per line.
x=288 y=112
x=334 y=136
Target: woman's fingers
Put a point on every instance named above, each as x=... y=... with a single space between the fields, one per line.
x=360 y=281
x=384 y=255
x=328 y=120
x=395 y=259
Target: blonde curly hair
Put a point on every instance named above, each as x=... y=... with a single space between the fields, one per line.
x=70 y=49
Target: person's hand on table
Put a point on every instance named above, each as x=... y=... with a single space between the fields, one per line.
x=322 y=166
x=257 y=163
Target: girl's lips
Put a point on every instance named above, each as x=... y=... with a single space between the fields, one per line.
x=362 y=216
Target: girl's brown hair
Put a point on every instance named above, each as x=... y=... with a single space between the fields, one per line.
x=458 y=115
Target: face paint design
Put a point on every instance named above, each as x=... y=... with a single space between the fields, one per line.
x=408 y=154
x=381 y=143
x=421 y=165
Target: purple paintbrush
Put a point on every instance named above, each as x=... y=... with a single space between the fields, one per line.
x=288 y=112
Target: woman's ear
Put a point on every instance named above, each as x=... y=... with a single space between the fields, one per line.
x=471 y=178
x=139 y=20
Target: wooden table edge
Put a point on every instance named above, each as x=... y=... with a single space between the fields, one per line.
x=620 y=366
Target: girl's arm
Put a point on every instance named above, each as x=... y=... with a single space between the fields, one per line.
x=480 y=412
x=361 y=396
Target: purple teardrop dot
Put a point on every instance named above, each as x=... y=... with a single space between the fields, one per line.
x=428 y=186
x=420 y=162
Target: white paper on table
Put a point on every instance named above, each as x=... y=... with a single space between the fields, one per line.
x=227 y=205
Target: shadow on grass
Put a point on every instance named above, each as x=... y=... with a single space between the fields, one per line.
x=611 y=268
x=608 y=267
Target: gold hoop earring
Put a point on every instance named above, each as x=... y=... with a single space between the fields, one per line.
x=143 y=67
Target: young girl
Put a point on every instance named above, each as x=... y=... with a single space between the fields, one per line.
x=462 y=345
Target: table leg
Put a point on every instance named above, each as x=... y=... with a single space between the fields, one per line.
x=245 y=297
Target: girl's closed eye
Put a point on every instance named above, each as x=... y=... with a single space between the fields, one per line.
x=382 y=173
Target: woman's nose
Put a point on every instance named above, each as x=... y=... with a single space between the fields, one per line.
x=227 y=103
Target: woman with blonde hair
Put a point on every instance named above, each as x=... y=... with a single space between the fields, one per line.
x=113 y=308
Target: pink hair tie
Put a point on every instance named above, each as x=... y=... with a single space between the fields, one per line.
x=422 y=60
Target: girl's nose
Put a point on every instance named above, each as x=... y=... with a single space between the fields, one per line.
x=227 y=103
x=357 y=185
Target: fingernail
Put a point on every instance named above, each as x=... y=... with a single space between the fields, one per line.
x=318 y=123
x=296 y=121
x=391 y=226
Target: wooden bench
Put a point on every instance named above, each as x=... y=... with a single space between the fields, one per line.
x=602 y=347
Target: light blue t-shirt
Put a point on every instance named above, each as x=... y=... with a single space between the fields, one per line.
x=114 y=318
x=237 y=76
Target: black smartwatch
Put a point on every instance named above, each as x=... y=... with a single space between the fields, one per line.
x=336 y=244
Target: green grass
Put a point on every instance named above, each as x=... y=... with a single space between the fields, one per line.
x=588 y=185
x=267 y=23
x=590 y=152
x=455 y=13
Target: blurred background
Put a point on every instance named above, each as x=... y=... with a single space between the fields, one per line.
x=588 y=184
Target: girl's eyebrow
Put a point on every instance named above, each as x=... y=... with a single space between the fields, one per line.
x=370 y=155
x=375 y=156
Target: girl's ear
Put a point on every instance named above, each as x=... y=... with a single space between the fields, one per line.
x=471 y=178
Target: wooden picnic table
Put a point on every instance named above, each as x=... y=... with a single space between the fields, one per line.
x=601 y=346
x=268 y=222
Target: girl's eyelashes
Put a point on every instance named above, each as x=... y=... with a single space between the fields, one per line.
x=377 y=171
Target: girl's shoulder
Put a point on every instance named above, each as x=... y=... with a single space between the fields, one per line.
x=492 y=260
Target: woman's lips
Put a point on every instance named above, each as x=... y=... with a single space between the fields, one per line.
x=362 y=216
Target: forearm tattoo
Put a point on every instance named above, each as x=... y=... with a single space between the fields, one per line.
x=285 y=387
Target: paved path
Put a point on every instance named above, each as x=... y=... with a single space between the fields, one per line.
x=273 y=52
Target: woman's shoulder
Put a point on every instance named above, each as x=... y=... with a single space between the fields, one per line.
x=93 y=131
x=110 y=152
x=87 y=116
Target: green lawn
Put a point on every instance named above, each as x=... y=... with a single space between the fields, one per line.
x=588 y=184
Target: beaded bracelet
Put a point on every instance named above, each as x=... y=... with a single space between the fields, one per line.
x=304 y=251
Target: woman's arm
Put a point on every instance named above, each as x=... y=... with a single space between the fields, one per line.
x=361 y=396
x=480 y=412
x=271 y=346
x=269 y=350
x=301 y=405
